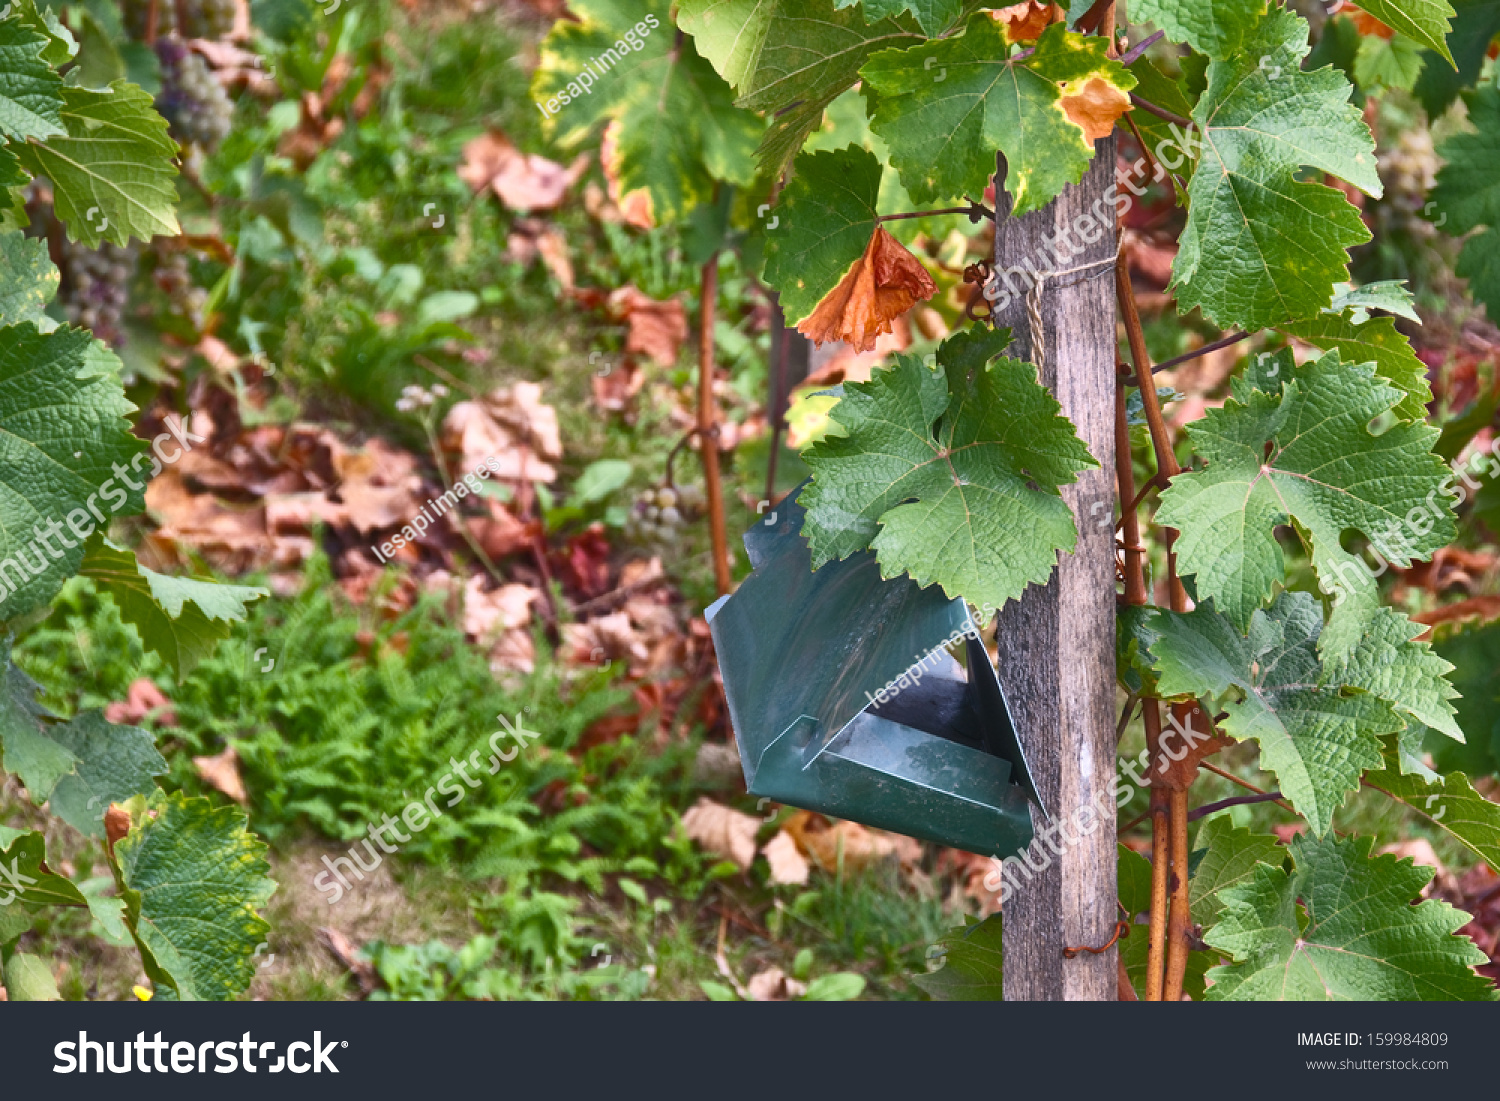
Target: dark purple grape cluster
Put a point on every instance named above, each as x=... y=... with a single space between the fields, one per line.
x=197 y=109
x=96 y=287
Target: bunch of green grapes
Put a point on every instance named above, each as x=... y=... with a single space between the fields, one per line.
x=186 y=299
x=657 y=515
x=1408 y=167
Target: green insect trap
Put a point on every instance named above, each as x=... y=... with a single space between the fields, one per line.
x=846 y=700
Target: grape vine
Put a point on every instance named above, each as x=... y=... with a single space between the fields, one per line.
x=952 y=475
x=92 y=170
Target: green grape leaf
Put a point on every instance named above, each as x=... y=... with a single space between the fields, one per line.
x=30 y=90
x=15 y=919
x=29 y=979
x=1378 y=652
x=1361 y=939
x=823 y=222
x=1217 y=28
x=61 y=45
x=63 y=441
x=972 y=964
x=1387 y=63
x=777 y=52
x=1134 y=874
x=114 y=763
x=1377 y=341
x=679 y=130
x=1448 y=802
x=1170 y=144
x=1476 y=24
x=789 y=59
x=1467 y=195
x=28 y=280
x=24 y=879
x=933 y=16
x=1260 y=245
x=180 y=618
x=24 y=749
x=1425 y=21
x=112 y=172
x=1133 y=638
x=1391 y=295
x=948 y=475
x=1315 y=736
x=845 y=123
x=946 y=106
x=1305 y=454
x=192 y=878
x=1474 y=650
x=10 y=176
x=1230 y=856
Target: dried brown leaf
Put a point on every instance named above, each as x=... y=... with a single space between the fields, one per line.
x=222 y=771
x=522 y=181
x=1094 y=106
x=1026 y=22
x=880 y=286
x=788 y=865
x=722 y=830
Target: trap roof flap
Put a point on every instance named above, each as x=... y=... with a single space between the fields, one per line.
x=845 y=699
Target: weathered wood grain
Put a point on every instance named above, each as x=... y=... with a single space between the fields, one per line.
x=1057 y=644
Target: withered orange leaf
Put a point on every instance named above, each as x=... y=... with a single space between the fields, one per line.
x=880 y=286
x=1026 y=22
x=1093 y=105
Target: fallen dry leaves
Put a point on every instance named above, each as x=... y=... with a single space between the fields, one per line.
x=143 y=700
x=531 y=239
x=788 y=865
x=522 y=181
x=222 y=772
x=511 y=425
x=880 y=286
x=723 y=831
x=828 y=841
x=774 y=985
x=654 y=328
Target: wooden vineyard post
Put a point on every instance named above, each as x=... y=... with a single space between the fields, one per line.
x=1057 y=644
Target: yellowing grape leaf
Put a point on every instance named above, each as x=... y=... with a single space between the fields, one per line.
x=679 y=131
x=945 y=107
